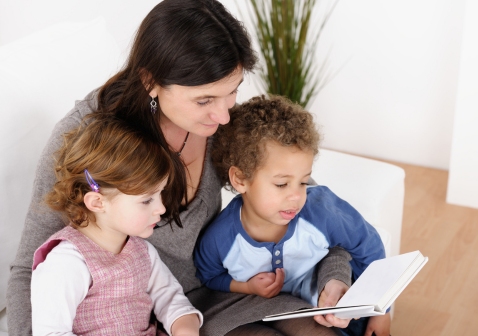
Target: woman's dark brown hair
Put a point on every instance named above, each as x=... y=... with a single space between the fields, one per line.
x=182 y=42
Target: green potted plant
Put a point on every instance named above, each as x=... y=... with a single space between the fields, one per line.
x=287 y=43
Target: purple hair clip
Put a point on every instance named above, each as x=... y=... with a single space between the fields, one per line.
x=94 y=186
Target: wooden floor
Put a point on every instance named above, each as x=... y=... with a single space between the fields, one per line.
x=443 y=298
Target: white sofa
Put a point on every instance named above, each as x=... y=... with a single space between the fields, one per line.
x=41 y=76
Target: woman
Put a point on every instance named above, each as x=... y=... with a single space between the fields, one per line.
x=182 y=75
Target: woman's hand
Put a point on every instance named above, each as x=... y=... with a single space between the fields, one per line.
x=379 y=325
x=333 y=291
x=266 y=284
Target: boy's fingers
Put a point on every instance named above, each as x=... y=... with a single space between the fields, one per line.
x=329 y=301
x=280 y=275
x=321 y=320
x=337 y=322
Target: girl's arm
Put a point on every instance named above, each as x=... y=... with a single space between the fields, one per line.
x=186 y=325
x=58 y=286
x=169 y=301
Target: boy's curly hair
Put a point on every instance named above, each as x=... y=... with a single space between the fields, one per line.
x=242 y=141
x=117 y=156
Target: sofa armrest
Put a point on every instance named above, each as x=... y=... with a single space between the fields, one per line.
x=376 y=189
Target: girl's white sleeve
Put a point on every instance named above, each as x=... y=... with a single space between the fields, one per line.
x=168 y=297
x=58 y=286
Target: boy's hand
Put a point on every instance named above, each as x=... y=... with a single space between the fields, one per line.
x=379 y=325
x=267 y=284
x=333 y=291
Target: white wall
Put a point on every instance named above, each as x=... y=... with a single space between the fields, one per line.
x=394 y=96
x=463 y=177
x=19 y=18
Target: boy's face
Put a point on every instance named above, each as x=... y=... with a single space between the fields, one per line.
x=277 y=192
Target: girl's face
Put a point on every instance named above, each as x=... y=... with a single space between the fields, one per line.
x=198 y=109
x=135 y=215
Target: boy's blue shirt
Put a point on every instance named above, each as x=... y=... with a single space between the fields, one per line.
x=226 y=251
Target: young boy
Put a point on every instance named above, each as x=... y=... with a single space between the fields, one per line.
x=278 y=225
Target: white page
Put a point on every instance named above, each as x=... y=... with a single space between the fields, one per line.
x=348 y=312
x=379 y=277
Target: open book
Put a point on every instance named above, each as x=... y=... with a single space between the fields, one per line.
x=373 y=292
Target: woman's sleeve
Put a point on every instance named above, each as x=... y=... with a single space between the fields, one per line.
x=169 y=301
x=40 y=223
x=335 y=265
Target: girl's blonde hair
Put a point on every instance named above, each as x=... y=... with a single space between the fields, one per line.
x=116 y=155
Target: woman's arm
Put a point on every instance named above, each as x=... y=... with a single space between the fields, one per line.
x=334 y=278
x=40 y=224
x=335 y=265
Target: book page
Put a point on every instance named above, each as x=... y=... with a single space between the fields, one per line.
x=347 y=312
x=381 y=281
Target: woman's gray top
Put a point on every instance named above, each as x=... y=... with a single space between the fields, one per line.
x=222 y=311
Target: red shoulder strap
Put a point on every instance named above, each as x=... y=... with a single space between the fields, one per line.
x=42 y=252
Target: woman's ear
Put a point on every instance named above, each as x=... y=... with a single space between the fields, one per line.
x=146 y=79
x=237 y=179
x=154 y=92
x=94 y=201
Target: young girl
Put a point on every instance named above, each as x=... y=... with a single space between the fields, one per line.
x=97 y=276
x=272 y=237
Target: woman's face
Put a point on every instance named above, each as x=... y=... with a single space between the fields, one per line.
x=198 y=109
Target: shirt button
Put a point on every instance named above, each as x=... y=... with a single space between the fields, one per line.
x=277 y=252
x=278 y=261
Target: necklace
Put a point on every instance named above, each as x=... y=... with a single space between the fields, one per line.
x=184 y=144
